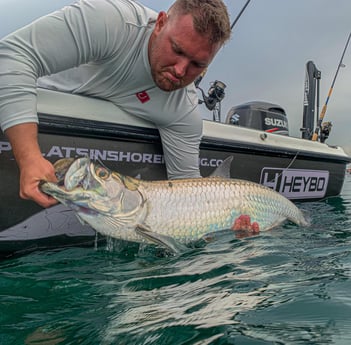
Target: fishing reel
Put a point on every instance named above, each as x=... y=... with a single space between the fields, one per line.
x=325 y=131
x=214 y=97
x=215 y=94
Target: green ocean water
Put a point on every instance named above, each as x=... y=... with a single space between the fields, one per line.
x=288 y=286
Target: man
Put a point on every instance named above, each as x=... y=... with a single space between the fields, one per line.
x=120 y=51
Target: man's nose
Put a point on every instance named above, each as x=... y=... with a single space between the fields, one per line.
x=181 y=67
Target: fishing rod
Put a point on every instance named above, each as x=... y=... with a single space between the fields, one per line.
x=239 y=14
x=199 y=78
x=324 y=109
x=216 y=92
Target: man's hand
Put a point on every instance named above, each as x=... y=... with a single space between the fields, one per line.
x=30 y=176
x=33 y=166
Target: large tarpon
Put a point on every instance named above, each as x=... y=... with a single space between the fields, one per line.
x=167 y=212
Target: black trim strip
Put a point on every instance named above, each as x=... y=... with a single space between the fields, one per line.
x=59 y=125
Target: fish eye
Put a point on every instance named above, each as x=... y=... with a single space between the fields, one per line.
x=102 y=173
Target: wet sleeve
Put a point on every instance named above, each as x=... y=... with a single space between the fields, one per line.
x=77 y=34
x=181 y=142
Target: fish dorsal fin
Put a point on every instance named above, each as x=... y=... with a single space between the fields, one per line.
x=224 y=169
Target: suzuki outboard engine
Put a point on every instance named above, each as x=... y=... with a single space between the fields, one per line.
x=264 y=116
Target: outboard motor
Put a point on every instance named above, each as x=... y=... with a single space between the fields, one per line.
x=263 y=116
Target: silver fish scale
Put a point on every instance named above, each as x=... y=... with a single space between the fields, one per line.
x=182 y=209
x=188 y=209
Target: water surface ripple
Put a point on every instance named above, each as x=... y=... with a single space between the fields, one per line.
x=287 y=286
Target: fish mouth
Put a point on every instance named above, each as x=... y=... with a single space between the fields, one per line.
x=76 y=174
x=91 y=189
x=77 y=185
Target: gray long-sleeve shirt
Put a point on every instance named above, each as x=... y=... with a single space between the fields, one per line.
x=99 y=48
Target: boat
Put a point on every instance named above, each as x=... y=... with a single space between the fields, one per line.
x=255 y=133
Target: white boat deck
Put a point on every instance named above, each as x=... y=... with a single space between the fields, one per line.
x=76 y=106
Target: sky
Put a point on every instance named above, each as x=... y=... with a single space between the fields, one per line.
x=266 y=57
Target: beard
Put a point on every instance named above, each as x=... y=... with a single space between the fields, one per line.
x=166 y=84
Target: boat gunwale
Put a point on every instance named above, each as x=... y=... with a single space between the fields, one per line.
x=62 y=125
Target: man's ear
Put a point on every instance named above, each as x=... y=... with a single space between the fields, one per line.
x=161 y=21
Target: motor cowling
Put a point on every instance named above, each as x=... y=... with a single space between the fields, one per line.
x=259 y=115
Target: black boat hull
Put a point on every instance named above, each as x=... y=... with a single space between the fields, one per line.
x=299 y=173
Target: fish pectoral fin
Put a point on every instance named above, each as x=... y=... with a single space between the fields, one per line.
x=163 y=240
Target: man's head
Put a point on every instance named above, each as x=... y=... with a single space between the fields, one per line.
x=185 y=40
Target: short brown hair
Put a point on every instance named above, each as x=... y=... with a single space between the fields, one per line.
x=210 y=17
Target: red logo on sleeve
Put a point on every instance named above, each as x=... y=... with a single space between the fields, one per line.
x=143 y=96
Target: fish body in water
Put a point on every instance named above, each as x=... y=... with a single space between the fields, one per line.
x=183 y=210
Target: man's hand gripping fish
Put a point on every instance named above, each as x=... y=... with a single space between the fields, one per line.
x=167 y=212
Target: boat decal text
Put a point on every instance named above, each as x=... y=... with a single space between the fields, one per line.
x=296 y=183
x=57 y=152
x=275 y=122
x=5 y=146
x=105 y=155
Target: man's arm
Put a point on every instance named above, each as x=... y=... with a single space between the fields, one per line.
x=181 y=143
x=73 y=36
x=78 y=34
x=33 y=167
